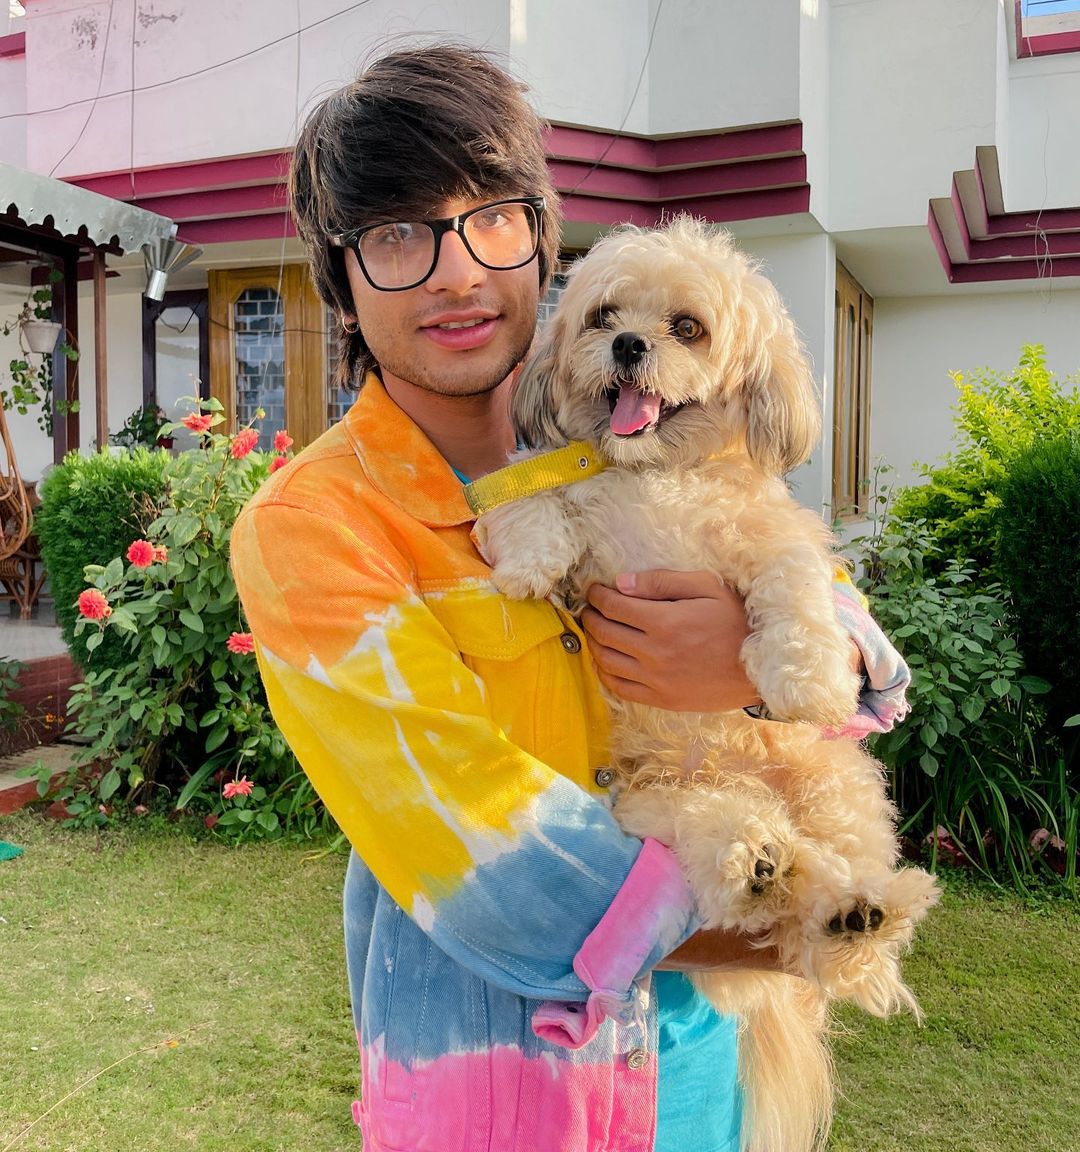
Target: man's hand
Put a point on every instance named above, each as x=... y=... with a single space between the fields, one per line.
x=670 y=639
x=713 y=949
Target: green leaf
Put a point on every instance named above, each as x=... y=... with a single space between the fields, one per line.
x=109 y=783
x=928 y=763
x=157 y=634
x=94 y=640
x=972 y=708
x=122 y=618
x=1072 y=722
x=1035 y=685
x=196 y=781
x=114 y=571
x=191 y=620
x=217 y=737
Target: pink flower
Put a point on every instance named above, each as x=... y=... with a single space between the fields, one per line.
x=161 y=554
x=241 y=787
x=282 y=441
x=243 y=442
x=93 y=605
x=198 y=422
x=241 y=643
x=277 y=462
x=141 y=554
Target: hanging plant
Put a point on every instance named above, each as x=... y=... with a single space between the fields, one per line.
x=30 y=381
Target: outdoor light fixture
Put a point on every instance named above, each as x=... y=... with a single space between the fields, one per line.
x=162 y=257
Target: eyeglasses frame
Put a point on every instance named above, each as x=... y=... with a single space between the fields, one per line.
x=439 y=228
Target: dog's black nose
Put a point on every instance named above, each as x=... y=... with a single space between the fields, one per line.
x=628 y=348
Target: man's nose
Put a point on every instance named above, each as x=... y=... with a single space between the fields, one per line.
x=456 y=270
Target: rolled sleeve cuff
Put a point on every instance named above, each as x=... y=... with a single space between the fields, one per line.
x=883 y=701
x=651 y=915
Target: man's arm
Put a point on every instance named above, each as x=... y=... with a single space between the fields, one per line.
x=672 y=640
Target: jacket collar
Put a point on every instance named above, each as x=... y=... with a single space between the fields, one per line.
x=401 y=462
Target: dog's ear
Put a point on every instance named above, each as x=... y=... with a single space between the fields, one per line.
x=783 y=419
x=532 y=402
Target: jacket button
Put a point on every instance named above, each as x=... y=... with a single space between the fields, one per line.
x=604 y=777
x=637 y=1058
x=570 y=642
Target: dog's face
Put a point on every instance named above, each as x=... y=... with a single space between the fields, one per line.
x=666 y=347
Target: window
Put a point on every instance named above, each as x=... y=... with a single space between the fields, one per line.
x=851 y=397
x=1045 y=27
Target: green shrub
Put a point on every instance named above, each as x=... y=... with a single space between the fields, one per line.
x=969 y=757
x=1038 y=554
x=92 y=508
x=998 y=416
x=184 y=719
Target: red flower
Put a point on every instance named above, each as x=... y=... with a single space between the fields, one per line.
x=243 y=442
x=277 y=462
x=161 y=554
x=241 y=787
x=198 y=422
x=241 y=643
x=282 y=441
x=141 y=554
x=93 y=605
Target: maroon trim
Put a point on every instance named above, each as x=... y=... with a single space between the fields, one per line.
x=605 y=178
x=978 y=241
x=13 y=45
x=1051 y=45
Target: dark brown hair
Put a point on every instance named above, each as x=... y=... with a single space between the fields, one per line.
x=416 y=128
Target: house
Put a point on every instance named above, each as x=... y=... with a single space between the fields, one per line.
x=908 y=173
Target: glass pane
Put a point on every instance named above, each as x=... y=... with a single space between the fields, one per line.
x=176 y=344
x=259 y=326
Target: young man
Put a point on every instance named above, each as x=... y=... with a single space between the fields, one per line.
x=500 y=928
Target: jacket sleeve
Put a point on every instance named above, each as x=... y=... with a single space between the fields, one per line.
x=512 y=869
x=883 y=700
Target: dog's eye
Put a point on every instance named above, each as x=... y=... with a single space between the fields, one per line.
x=601 y=318
x=686 y=328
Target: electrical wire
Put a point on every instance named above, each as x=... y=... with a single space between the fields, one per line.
x=186 y=75
x=637 y=88
x=97 y=96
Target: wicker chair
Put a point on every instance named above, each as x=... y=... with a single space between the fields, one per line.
x=21 y=575
x=20 y=553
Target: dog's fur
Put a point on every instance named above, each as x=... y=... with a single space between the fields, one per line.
x=781 y=832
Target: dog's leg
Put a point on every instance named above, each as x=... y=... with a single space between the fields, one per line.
x=736 y=845
x=531 y=544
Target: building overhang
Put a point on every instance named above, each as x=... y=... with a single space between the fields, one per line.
x=977 y=241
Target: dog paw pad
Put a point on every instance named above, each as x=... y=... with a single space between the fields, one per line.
x=862 y=918
x=765 y=869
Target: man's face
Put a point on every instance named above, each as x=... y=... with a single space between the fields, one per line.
x=414 y=334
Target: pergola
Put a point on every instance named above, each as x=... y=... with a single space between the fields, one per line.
x=45 y=217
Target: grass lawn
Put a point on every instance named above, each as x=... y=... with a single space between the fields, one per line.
x=215 y=977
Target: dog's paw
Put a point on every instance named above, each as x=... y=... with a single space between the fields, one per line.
x=742 y=881
x=521 y=582
x=852 y=947
x=810 y=681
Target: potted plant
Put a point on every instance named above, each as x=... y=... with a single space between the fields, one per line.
x=143 y=426
x=31 y=383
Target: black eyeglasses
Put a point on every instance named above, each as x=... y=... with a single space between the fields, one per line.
x=502 y=235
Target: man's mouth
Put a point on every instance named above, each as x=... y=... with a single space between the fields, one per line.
x=452 y=324
x=634 y=412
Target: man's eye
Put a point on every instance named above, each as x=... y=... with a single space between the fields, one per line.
x=601 y=318
x=687 y=328
x=391 y=234
x=492 y=218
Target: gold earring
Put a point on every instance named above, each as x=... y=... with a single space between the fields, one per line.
x=353 y=329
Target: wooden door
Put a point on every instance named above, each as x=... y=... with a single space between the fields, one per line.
x=267 y=350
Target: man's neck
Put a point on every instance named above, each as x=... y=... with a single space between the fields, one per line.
x=472 y=433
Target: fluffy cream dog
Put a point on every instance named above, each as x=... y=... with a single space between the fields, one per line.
x=677 y=360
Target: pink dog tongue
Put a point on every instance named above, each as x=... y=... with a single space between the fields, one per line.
x=633 y=411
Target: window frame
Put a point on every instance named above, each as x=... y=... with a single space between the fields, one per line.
x=851 y=398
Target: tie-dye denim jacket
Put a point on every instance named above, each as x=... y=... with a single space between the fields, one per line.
x=501 y=922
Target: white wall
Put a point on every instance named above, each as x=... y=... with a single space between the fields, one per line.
x=814 y=101
x=12 y=104
x=803 y=269
x=917 y=342
x=1042 y=167
x=913 y=91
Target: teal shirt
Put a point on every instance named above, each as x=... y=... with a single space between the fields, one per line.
x=699 y=1101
